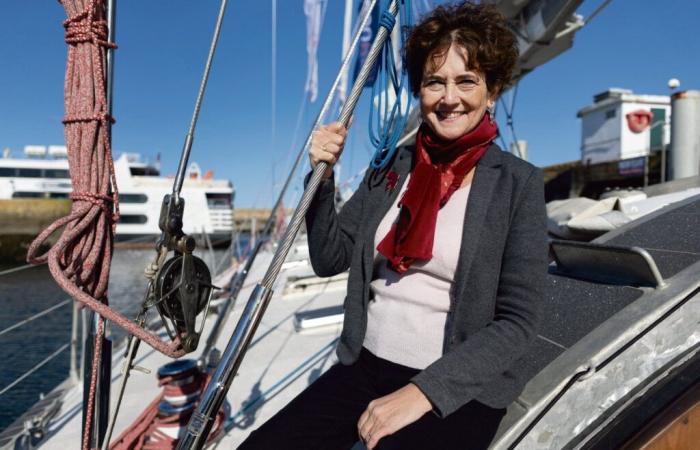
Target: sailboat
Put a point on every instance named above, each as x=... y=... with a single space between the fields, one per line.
x=615 y=365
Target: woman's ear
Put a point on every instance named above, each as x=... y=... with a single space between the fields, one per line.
x=491 y=101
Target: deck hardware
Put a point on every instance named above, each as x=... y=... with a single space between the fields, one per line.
x=606 y=263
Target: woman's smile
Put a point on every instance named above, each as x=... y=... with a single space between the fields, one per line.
x=449 y=116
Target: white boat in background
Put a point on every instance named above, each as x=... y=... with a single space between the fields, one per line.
x=208 y=201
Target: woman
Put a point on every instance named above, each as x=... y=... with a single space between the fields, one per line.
x=446 y=248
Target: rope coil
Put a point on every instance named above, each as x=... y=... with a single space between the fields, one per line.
x=387 y=117
x=157 y=428
x=387 y=20
x=81 y=258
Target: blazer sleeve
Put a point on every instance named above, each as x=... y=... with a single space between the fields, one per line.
x=332 y=235
x=460 y=374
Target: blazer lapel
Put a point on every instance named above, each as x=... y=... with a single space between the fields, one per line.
x=480 y=196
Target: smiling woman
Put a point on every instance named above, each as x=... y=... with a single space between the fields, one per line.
x=446 y=273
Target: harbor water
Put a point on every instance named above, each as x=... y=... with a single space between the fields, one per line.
x=32 y=290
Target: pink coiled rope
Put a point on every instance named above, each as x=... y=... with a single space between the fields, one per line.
x=81 y=258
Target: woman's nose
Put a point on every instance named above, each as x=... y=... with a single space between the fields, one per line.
x=450 y=97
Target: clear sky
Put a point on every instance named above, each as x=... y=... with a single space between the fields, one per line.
x=633 y=44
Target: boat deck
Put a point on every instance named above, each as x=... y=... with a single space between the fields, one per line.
x=280 y=363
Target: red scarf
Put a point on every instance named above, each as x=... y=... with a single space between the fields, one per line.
x=440 y=168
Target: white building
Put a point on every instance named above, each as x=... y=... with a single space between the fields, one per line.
x=622 y=125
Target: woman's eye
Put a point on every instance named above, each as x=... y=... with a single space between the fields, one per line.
x=434 y=84
x=465 y=84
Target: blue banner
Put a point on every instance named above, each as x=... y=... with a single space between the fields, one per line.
x=366 y=39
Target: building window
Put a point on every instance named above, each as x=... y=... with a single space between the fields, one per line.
x=133 y=219
x=144 y=171
x=133 y=198
x=27 y=195
x=56 y=173
x=218 y=201
x=609 y=114
x=29 y=173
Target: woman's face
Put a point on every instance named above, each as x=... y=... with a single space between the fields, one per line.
x=453 y=98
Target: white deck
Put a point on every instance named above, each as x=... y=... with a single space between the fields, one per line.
x=276 y=352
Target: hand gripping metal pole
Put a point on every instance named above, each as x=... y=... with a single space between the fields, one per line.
x=202 y=420
x=187 y=147
x=240 y=278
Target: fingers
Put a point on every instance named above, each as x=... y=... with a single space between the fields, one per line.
x=370 y=428
x=337 y=127
x=364 y=426
x=327 y=144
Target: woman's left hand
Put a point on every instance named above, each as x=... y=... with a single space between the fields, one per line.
x=386 y=415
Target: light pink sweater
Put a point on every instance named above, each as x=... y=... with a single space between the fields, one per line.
x=406 y=317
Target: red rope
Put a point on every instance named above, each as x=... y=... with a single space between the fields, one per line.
x=97 y=354
x=147 y=431
x=81 y=258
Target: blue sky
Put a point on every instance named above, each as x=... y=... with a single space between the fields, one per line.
x=633 y=44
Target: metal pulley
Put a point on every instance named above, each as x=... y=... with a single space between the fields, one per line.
x=182 y=291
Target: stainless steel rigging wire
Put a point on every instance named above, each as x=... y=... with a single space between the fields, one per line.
x=202 y=419
x=240 y=277
x=187 y=147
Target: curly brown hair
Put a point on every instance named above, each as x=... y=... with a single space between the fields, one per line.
x=481 y=29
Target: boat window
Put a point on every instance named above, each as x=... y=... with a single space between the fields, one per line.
x=7 y=171
x=27 y=195
x=218 y=201
x=133 y=218
x=133 y=198
x=58 y=194
x=144 y=171
x=609 y=114
x=29 y=173
x=56 y=173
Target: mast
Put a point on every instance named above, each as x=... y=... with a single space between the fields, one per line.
x=100 y=412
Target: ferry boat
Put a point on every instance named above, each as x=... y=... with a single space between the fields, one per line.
x=208 y=201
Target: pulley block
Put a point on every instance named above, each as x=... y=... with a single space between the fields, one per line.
x=182 y=291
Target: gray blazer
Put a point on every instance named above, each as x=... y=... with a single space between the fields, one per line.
x=498 y=285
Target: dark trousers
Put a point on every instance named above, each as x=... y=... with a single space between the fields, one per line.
x=325 y=415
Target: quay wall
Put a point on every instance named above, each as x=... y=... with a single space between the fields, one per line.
x=22 y=219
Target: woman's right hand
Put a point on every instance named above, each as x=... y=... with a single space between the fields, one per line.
x=326 y=145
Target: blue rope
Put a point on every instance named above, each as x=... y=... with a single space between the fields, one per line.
x=388 y=20
x=387 y=121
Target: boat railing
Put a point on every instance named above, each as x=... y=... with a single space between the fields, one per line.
x=74 y=372
x=32 y=423
x=17 y=269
